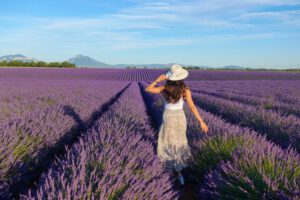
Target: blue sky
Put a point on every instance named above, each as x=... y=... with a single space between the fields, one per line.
x=249 y=33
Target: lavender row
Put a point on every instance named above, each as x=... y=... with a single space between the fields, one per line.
x=140 y=74
x=264 y=174
x=221 y=144
x=21 y=96
x=257 y=171
x=80 y=74
x=282 y=91
x=281 y=130
x=263 y=103
x=113 y=160
x=28 y=140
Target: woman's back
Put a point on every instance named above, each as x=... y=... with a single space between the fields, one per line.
x=174 y=106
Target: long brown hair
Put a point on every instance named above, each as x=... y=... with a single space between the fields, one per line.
x=174 y=90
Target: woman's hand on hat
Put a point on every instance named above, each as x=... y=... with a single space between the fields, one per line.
x=161 y=78
x=204 y=127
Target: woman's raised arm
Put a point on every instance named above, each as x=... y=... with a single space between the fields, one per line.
x=156 y=90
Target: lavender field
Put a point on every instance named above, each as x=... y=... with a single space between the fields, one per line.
x=92 y=134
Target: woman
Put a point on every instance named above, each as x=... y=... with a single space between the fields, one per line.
x=173 y=149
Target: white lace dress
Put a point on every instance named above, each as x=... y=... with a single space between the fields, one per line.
x=173 y=149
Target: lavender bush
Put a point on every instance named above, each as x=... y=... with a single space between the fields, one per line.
x=282 y=130
x=262 y=171
x=262 y=102
x=104 y=165
x=103 y=139
x=28 y=140
x=220 y=146
x=143 y=74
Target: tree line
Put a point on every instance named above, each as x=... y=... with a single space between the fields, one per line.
x=16 y=63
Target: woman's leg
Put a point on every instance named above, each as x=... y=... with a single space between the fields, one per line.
x=180 y=177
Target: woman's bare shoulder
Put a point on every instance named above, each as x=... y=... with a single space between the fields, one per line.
x=187 y=89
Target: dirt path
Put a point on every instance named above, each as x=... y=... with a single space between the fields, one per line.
x=188 y=191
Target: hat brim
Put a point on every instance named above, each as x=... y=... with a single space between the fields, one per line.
x=183 y=75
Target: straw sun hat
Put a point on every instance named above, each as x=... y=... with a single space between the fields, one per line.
x=176 y=72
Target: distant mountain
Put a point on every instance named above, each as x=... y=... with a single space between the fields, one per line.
x=158 y=66
x=143 y=65
x=17 y=57
x=233 y=67
x=85 y=61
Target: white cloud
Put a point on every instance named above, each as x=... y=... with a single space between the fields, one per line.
x=281 y=15
x=155 y=24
